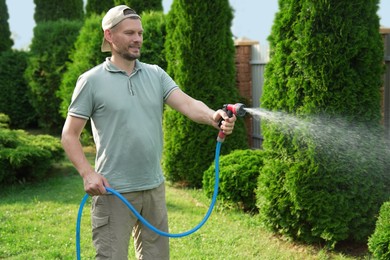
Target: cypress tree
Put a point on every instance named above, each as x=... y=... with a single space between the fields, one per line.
x=141 y=6
x=56 y=10
x=83 y=57
x=98 y=6
x=326 y=59
x=200 y=55
x=50 y=47
x=5 y=33
x=154 y=25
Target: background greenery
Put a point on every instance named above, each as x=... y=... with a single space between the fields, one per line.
x=326 y=62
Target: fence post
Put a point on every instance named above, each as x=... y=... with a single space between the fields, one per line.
x=244 y=78
x=385 y=104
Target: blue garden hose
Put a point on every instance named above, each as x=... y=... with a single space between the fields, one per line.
x=143 y=220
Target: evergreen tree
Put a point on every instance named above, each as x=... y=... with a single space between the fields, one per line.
x=84 y=56
x=14 y=98
x=141 y=5
x=200 y=55
x=5 y=33
x=155 y=32
x=98 y=6
x=55 y=10
x=49 y=52
x=326 y=59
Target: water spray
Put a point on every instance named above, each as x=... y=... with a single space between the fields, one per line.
x=230 y=109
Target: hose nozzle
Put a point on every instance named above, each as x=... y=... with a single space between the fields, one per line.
x=237 y=109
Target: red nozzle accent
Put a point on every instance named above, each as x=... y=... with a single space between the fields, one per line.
x=238 y=109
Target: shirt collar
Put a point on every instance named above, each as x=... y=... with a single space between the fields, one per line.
x=109 y=66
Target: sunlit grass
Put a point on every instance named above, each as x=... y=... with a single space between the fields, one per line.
x=38 y=222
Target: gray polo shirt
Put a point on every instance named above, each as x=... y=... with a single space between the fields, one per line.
x=126 y=118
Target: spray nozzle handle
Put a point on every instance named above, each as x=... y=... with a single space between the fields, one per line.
x=237 y=109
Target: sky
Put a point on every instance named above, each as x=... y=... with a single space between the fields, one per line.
x=253 y=19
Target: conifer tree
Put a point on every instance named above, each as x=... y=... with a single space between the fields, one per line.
x=56 y=10
x=84 y=56
x=98 y=6
x=5 y=33
x=200 y=55
x=141 y=5
x=326 y=59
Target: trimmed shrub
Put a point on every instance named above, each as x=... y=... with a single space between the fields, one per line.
x=238 y=173
x=379 y=242
x=153 y=51
x=85 y=55
x=200 y=55
x=14 y=98
x=326 y=59
x=49 y=53
x=26 y=157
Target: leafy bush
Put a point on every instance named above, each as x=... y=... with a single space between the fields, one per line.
x=26 y=157
x=238 y=173
x=379 y=242
x=14 y=98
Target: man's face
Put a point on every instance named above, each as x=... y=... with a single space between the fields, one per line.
x=127 y=38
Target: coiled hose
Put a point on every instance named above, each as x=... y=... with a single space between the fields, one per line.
x=143 y=220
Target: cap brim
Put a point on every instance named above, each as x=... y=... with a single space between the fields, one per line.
x=105 y=46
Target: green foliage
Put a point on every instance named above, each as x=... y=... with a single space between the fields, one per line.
x=200 y=55
x=379 y=242
x=4 y=121
x=5 y=33
x=154 y=26
x=49 y=53
x=141 y=5
x=26 y=157
x=98 y=6
x=323 y=186
x=55 y=10
x=14 y=100
x=326 y=58
x=83 y=57
x=238 y=173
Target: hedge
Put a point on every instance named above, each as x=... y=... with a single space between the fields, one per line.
x=379 y=242
x=26 y=157
x=238 y=173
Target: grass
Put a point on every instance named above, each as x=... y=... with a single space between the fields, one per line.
x=38 y=222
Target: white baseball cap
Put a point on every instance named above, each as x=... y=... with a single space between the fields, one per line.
x=114 y=16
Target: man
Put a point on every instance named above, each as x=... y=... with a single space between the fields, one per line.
x=124 y=99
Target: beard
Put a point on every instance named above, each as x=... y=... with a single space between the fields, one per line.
x=125 y=54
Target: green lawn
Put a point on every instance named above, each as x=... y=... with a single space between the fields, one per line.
x=38 y=222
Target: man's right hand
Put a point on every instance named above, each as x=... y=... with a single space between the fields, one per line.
x=94 y=184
